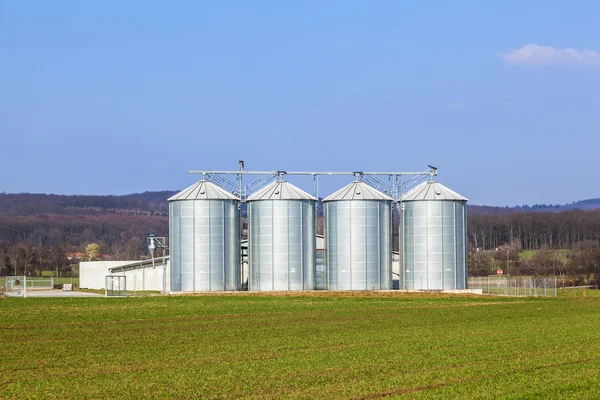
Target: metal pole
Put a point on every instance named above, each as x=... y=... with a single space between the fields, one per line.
x=165 y=277
x=241 y=222
x=401 y=270
x=555 y=286
x=225 y=277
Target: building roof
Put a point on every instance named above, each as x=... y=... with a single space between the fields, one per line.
x=357 y=191
x=203 y=190
x=281 y=190
x=432 y=191
x=158 y=262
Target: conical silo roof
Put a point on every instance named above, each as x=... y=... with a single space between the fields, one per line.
x=203 y=190
x=281 y=190
x=357 y=191
x=432 y=191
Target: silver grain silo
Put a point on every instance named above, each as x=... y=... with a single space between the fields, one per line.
x=433 y=228
x=358 y=238
x=204 y=237
x=281 y=235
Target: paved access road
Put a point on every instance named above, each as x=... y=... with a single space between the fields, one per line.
x=60 y=293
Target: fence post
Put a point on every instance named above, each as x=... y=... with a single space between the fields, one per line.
x=554 y=285
x=498 y=286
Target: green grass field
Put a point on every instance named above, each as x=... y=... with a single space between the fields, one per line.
x=526 y=254
x=60 y=281
x=318 y=345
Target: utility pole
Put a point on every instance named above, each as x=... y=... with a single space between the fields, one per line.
x=153 y=243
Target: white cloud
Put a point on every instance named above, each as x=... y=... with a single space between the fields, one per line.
x=542 y=56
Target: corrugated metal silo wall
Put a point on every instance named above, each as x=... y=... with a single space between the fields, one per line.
x=175 y=246
x=204 y=245
x=321 y=271
x=282 y=247
x=358 y=245
x=434 y=245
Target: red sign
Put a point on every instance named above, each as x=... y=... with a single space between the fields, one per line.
x=499 y=272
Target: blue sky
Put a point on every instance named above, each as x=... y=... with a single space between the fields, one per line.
x=113 y=97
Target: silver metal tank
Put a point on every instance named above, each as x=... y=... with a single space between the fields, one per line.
x=281 y=236
x=204 y=237
x=358 y=238
x=433 y=228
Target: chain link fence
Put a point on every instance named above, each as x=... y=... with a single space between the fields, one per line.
x=516 y=287
x=40 y=283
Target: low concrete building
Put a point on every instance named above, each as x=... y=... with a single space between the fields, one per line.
x=139 y=275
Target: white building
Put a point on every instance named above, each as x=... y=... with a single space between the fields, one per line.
x=139 y=275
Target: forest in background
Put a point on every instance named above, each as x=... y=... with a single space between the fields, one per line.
x=45 y=232
x=49 y=232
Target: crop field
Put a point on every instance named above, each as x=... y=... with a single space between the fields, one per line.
x=317 y=345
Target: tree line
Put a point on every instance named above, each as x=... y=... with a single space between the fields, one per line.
x=30 y=244
x=533 y=231
x=579 y=265
x=566 y=244
x=39 y=204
